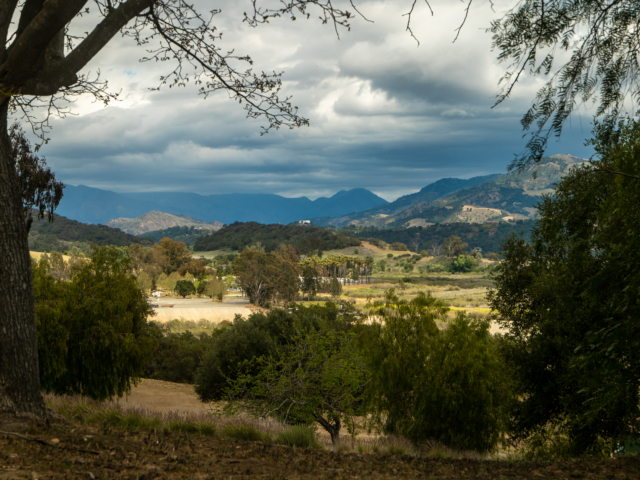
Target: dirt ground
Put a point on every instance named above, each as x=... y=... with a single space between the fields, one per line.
x=194 y=309
x=80 y=452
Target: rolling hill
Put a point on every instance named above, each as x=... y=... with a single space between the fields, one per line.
x=154 y=221
x=64 y=233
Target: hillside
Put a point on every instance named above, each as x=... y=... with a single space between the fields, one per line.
x=188 y=235
x=63 y=234
x=154 y=221
x=509 y=197
x=433 y=191
x=92 y=205
x=488 y=237
x=237 y=236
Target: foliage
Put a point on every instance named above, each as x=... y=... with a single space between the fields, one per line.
x=450 y=386
x=298 y=436
x=174 y=254
x=214 y=288
x=40 y=189
x=308 y=240
x=318 y=376
x=398 y=246
x=570 y=302
x=257 y=336
x=602 y=65
x=489 y=236
x=184 y=288
x=453 y=246
x=178 y=355
x=93 y=337
x=463 y=264
x=186 y=235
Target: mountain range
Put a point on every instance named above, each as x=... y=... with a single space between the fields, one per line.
x=492 y=198
x=93 y=205
x=496 y=197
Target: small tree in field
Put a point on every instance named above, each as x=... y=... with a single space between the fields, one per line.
x=184 y=288
x=319 y=377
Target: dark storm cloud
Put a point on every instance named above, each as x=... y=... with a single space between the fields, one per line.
x=385 y=114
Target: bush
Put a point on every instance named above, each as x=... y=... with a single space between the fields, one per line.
x=298 y=436
x=246 y=433
x=463 y=264
x=179 y=355
x=398 y=246
x=448 y=385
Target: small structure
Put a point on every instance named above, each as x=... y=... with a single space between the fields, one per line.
x=304 y=222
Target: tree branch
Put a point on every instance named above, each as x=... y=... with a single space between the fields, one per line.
x=24 y=53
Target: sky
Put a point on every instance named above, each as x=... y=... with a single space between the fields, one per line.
x=386 y=113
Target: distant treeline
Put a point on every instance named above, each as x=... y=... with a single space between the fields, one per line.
x=63 y=233
x=488 y=236
x=188 y=235
x=305 y=239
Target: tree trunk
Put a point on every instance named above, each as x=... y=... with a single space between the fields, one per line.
x=19 y=372
x=332 y=428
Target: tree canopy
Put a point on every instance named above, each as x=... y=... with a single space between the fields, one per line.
x=569 y=300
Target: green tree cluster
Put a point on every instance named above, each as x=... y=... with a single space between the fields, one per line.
x=93 y=336
x=569 y=300
x=449 y=385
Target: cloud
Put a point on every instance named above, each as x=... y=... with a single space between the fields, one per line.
x=385 y=113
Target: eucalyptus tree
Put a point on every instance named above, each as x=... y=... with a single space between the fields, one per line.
x=40 y=66
x=600 y=42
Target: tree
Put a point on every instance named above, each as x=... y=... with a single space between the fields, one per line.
x=463 y=264
x=602 y=65
x=318 y=376
x=145 y=281
x=184 y=288
x=92 y=330
x=449 y=385
x=310 y=280
x=176 y=254
x=398 y=246
x=287 y=281
x=215 y=288
x=569 y=302
x=453 y=246
x=256 y=273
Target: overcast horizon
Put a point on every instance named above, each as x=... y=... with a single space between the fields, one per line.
x=385 y=114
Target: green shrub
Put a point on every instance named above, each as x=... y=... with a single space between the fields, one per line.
x=448 y=385
x=398 y=246
x=298 y=436
x=463 y=264
x=246 y=433
x=178 y=356
x=93 y=335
